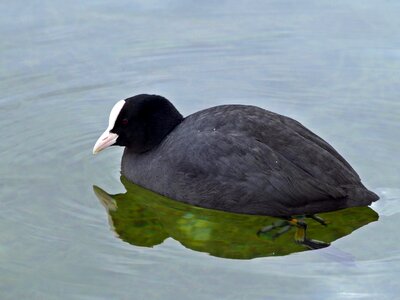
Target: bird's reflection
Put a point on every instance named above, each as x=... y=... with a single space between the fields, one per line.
x=144 y=218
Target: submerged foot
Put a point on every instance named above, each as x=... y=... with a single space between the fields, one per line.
x=318 y=219
x=275 y=230
x=280 y=227
x=301 y=235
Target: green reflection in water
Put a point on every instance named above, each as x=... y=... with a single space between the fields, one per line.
x=144 y=218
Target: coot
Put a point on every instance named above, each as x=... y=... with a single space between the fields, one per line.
x=236 y=158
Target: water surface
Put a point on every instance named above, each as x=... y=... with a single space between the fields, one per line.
x=334 y=66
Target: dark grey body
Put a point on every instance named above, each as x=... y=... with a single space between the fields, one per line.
x=245 y=159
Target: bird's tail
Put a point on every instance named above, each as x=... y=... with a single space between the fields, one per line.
x=359 y=196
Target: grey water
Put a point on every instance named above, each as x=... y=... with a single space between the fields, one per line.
x=332 y=65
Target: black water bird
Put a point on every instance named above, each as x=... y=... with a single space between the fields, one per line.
x=235 y=158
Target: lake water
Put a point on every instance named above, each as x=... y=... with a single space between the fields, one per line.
x=332 y=65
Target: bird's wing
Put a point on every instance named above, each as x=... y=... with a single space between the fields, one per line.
x=246 y=176
x=298 y=145
x=312 y=137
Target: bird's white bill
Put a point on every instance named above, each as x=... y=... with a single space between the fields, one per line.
x=105 y=140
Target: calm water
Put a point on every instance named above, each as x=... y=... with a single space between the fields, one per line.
x=334 y=66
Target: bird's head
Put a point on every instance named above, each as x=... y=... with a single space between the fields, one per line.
x=139 y=123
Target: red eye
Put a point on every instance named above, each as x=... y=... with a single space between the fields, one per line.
x=124 y=122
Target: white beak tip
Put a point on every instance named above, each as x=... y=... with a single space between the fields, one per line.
x=105 y=140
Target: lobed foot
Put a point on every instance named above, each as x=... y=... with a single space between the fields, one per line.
x=280 y=227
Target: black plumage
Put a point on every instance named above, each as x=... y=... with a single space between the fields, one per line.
x=235 y=158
